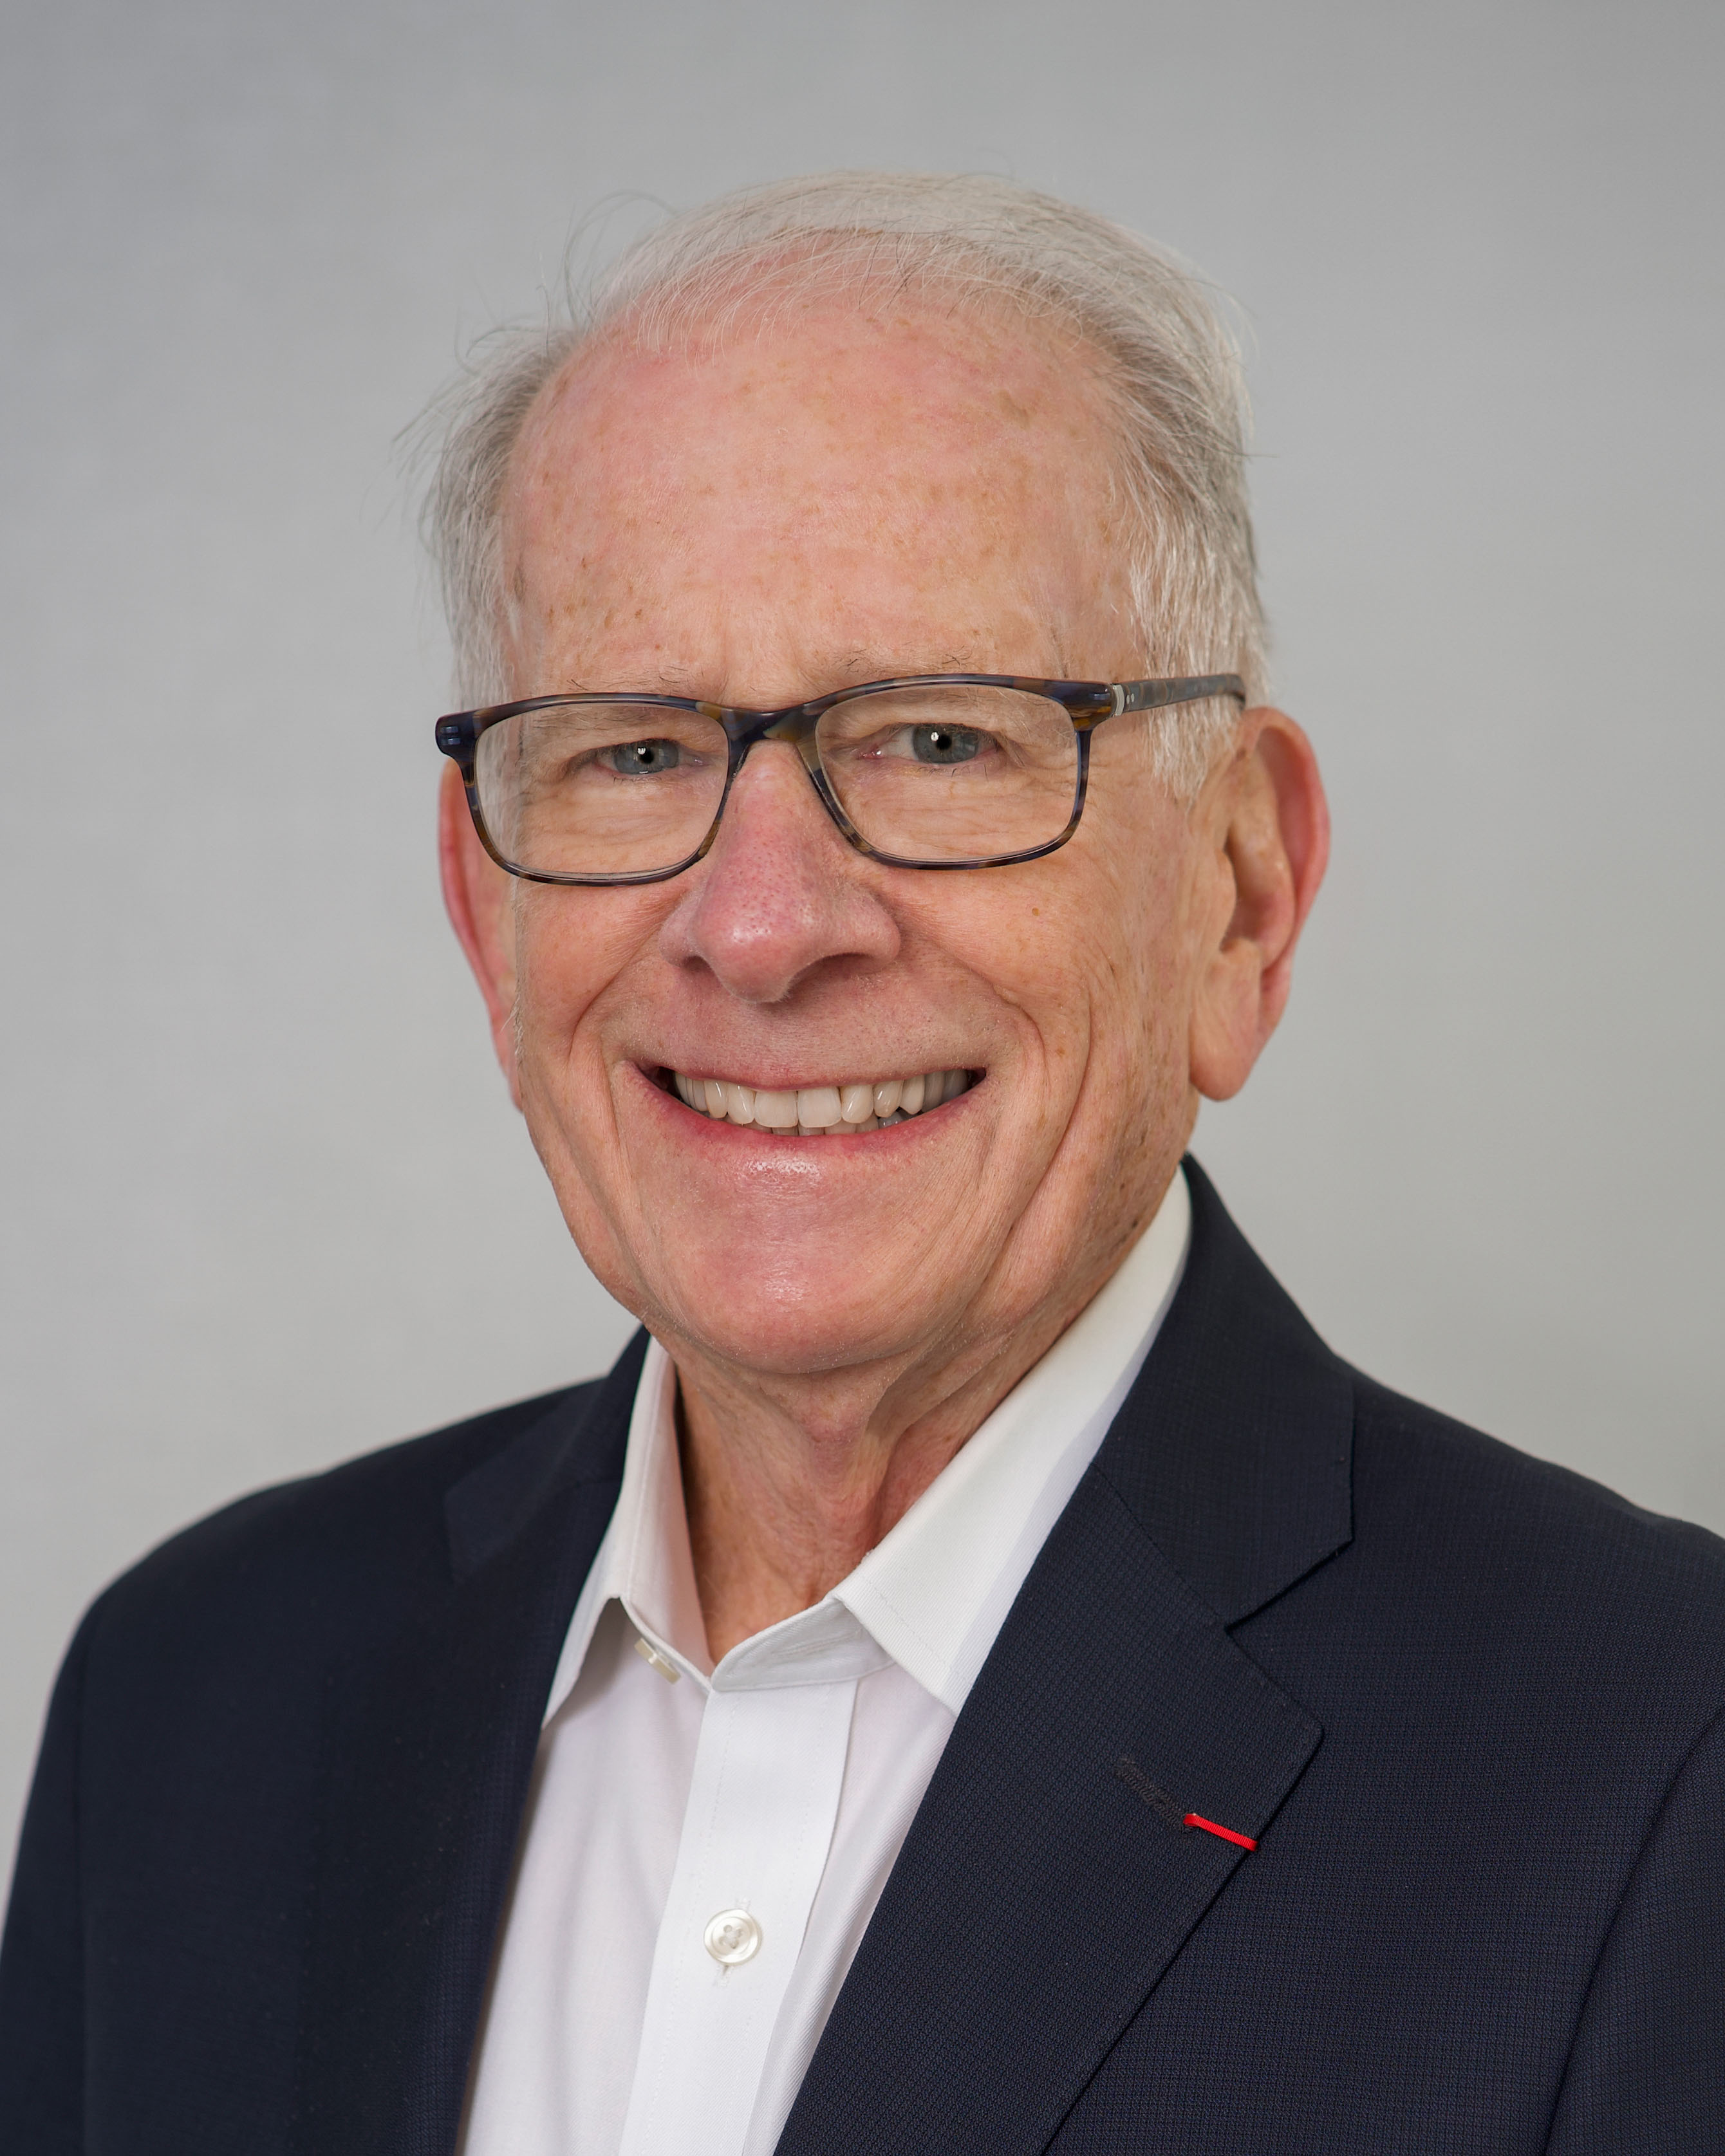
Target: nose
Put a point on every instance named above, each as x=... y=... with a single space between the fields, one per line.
x=781 y=895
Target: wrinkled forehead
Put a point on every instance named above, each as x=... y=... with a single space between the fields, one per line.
x=882 y=452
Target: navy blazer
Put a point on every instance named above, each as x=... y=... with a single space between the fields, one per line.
x=1467 y=1707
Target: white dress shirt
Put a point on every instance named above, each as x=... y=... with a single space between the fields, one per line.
x=703 y=1847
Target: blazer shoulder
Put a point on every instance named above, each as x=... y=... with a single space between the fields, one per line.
x=370 y=1517
x=1516 y=1537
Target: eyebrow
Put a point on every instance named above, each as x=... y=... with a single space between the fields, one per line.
x=842 y=668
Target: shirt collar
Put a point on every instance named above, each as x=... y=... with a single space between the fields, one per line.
x=934 y=1592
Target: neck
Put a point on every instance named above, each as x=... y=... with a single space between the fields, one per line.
x=790 y=1482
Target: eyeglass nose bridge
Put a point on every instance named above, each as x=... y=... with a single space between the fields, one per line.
x=796 y=726
x=794 y=723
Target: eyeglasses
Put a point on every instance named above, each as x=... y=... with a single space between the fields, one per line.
x=932 y=771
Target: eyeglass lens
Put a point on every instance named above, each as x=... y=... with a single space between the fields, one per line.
x=951 y=772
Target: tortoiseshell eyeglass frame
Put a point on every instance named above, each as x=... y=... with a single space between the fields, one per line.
x=1085 y=703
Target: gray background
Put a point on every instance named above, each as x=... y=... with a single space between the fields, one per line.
x=265 y=1202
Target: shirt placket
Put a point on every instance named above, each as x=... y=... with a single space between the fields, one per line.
x=763 y=1805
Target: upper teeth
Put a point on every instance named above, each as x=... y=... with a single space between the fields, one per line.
x=862 y=1105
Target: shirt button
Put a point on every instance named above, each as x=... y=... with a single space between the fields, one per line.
x=733 y=1937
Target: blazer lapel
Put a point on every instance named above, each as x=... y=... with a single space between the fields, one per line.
x=1050 y=1878
x=430 y=1737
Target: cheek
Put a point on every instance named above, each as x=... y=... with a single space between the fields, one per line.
x=1086 y=948
x=1120 y=966
x=573 y=949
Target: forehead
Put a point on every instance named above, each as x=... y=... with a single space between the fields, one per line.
x=868 y=476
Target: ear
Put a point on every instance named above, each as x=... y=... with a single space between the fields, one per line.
x=1265 y=827
x=479 y=899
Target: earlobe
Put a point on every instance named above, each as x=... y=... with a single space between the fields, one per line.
x=1271 y=850
x=477 y=898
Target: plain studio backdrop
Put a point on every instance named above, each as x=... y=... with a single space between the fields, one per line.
x=265 y=1202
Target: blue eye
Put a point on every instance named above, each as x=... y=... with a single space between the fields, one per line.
x=642 y=759
x=943 y=744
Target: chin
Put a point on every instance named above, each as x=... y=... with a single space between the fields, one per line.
x=753 y=1296
x=807 y=1309
x=769 y=1344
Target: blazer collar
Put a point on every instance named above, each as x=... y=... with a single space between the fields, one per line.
x=499 y=1500
x=1049 y=1877
x=1234 y=1450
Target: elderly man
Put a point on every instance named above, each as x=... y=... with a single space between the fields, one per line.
x=978 y=1675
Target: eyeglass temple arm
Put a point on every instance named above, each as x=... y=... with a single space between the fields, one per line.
x=1152 y=695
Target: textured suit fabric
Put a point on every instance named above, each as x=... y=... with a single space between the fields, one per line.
x=1468 y=1704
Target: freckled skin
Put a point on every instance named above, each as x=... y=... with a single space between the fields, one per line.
x=838 y=496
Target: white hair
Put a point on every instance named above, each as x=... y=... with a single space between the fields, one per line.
x=1169 y=368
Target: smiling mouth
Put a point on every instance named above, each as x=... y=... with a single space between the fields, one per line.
x=850 y=1109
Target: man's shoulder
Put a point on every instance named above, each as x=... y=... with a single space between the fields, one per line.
x=1501 y=1498
x=1522 y=1558
x=1391 y=1519
x=318 y=1547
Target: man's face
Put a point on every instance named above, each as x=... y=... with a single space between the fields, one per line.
x=842 y=496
